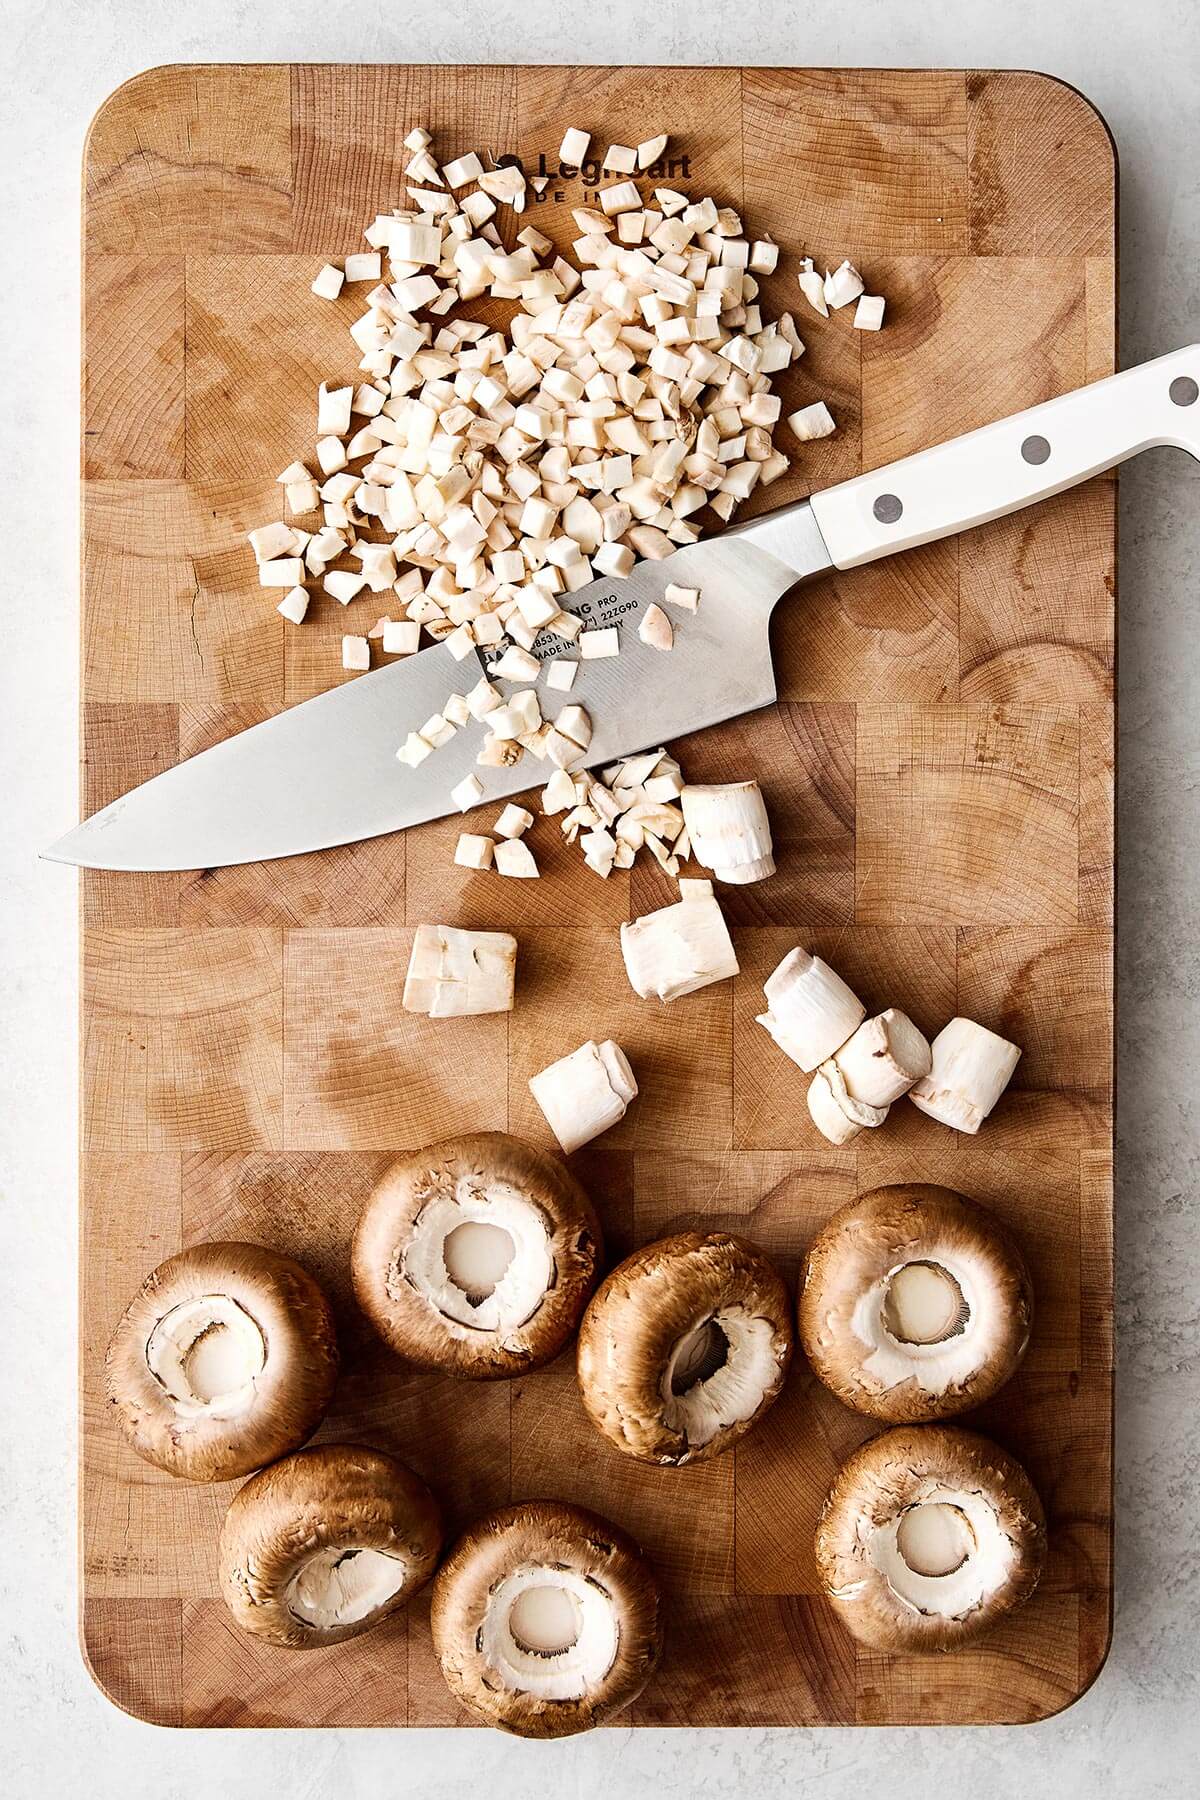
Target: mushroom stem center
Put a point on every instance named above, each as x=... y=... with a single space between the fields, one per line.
x=934 y=1538
x=206 y=1351
x=477 y=1256
x=698 y=1356
x=545 y=1620
x=923 y=1304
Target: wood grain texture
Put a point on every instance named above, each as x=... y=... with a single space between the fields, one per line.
x=940 y=774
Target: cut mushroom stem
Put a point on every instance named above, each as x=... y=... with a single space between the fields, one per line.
x=883 y=1058
x=929 y=1535
x=729 y=830
x=810 y=1010
x=325 y=1544
x=679 y=948
x=585 y=1093
x=546 y=1619
x=225 y=1359
x=971 y=1067
x=458 y=974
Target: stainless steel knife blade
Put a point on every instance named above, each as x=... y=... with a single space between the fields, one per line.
x=325 y=772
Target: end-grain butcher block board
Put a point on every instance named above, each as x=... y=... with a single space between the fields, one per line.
x=939 y=770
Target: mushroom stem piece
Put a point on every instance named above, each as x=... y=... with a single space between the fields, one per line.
x=729 y=830
x=810 y=1010
x=679 y=948
x=972 y=1066
x=585 y=1093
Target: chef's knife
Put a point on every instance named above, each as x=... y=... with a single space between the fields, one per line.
x=325 y=772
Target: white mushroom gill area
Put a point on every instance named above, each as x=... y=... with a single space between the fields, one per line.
x=698 y=1409
x=340 y=1586
x=925 y=1321
x=961 y=1529
x=520 y=1280
x=575 y=1620
x=207 y=1353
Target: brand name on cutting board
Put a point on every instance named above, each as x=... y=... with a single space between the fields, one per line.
x=590 y=173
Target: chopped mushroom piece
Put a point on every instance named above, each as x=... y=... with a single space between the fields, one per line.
x=843 y=286
x=574 y=147
x=515 y=858
x=356 y=653
x=467 y=794
x=685 y=597
x=284 y=571
x=463 y=170
x=655 y=629
x=650 y=151
x=400 y=637
x=473 y=851
x=453 y=973
x=561 y=674
x=812 y=286
x=364 y=265
x=971 y=1067
x=815 y=421
x=516 y=665
x=810 y=1010
x=596 y=644
x=513 y=822
x=294 y=605
x=729 y=830
x=328 y=284
x=868 y=314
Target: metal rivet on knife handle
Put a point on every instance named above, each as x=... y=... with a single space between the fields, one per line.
x=1035 y=450
x=887 y=509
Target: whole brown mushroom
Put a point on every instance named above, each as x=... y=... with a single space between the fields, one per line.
x=915 y=1303
x=476 y=1255
x=928 y=1536
x=326 y=1544
x=225 y=1359
x=546 y=1619
x=684 y=1347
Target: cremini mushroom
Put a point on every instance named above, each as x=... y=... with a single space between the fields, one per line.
x=546 y=1619
x=325 y=1544
x=915 y=1303
x=684 y=1347
x=224 y=1359
x=476 y=1255
x=928 y=1536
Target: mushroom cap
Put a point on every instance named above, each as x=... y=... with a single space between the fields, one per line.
x=558 y=1213
x=568 y=1541
x=641 y=1315
x=844 y=1283
x=287 y=1398
x=910 y=1466
x=330 y=1498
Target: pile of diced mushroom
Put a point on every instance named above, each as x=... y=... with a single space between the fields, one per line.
x=479 y=476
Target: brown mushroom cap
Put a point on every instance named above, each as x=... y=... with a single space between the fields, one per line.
x=279 y=1306
x=657 y=1301
x=844 y=1318
x=885 y=1481
x=335 y=1506
x=617 y=1601
x=475 y=1172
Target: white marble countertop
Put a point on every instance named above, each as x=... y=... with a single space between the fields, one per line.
x=1137 y=1732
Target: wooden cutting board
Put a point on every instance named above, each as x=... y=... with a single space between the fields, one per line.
x=939 y=771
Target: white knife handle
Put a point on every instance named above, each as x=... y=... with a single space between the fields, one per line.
x=1010 y=464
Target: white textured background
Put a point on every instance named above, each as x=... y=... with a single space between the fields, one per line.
x=1137 y=1733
